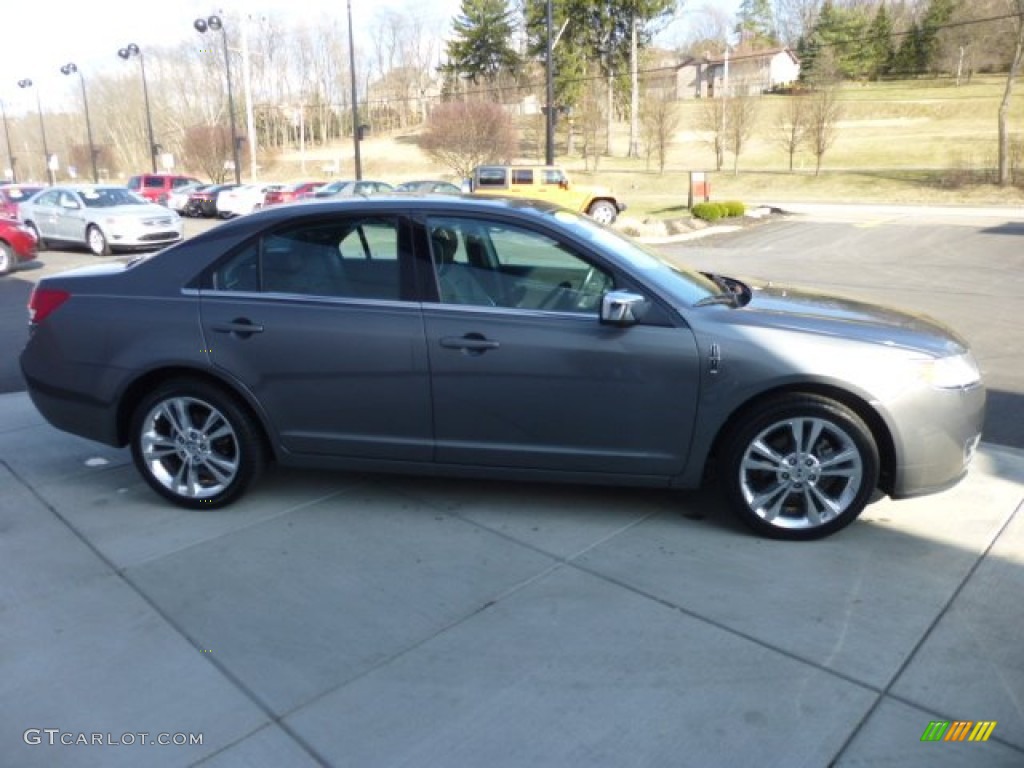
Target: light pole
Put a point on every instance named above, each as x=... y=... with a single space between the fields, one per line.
x=10 y=150
x=70 y=69
x=26 y=83
x=215 y=24
x=126 y=53
x=549 y=87
x=355 y=106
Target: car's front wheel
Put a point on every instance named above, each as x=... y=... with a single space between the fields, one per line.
x=97 y=241
x=194 y=445
x=800 y=467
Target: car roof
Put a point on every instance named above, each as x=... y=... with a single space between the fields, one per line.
x=395 y=203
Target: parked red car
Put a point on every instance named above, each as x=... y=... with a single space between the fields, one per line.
x=12 y=194
x=155 y=187
x=17 y=245
x=290 y=193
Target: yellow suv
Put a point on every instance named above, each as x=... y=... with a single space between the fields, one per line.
x=545 y=182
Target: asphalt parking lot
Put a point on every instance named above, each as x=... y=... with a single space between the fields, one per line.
x=351 y=620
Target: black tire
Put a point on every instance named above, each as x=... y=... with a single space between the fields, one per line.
x=97 y=241
x=799 y=467
x=40 y=243
x=603 y=211
x=7 y=259
x=181 y=462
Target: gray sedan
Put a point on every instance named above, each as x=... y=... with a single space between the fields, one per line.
x=101 y=217
x=496 y=338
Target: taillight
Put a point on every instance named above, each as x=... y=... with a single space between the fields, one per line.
x=43 y=301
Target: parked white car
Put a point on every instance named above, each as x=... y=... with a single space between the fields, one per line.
x=178 y=198
x=242 y=200
x=102 y=217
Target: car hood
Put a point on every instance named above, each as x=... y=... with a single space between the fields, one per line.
x=131 y=211
x=807 y=311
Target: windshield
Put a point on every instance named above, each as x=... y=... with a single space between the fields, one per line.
x=686 y=285
x=109 y=197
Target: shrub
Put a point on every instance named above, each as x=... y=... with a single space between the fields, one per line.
x=734 y=208
x=708 y=211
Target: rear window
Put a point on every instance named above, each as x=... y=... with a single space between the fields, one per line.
x=490 y=177
x=16 y=194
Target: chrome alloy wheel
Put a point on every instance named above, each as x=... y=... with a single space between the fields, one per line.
x=801 y=473
x=189 y=447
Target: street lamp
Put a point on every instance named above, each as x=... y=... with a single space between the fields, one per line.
x=42 y=129
x=10 y=150
x=126 y=53
x=355 y=103
x=70 y=69
x=214 y=24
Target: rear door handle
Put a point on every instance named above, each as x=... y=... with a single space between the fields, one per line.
x=241 y=326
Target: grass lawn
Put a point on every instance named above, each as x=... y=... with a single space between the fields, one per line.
x=921 y=141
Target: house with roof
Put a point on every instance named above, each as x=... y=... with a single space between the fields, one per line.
x=750 y=72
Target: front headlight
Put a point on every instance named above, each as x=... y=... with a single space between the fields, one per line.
x=953 y=372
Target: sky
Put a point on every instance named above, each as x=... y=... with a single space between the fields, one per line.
x=50 y=34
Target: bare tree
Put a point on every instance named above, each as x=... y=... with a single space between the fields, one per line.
x=659 y=120
x=795 y=19
x=711 y=120
x=709 y=30
x=1016 y=24
x=464 y=134
x=207 y=147
x=823 y=112
x=589 y=119
x=741 y=113
x=791 y=125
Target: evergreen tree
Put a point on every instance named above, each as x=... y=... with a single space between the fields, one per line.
x=480 y=48
x=756 y=26
x=909 y=58
x=938 y=15
x=882 y=52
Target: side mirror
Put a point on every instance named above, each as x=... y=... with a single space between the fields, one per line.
x=563 y=184
x=622 y=308
x=70 y=205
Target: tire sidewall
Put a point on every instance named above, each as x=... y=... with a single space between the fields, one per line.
x=89 y=239
x=252 y=455
x=799 y=406
x=602 y=205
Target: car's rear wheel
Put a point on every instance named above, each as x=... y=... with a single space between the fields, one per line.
x=97 y=241
x=6 y=258
x=602 y=211
x=194 y=445
x=801 y=467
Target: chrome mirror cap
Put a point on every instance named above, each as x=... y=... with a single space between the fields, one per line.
x=621 y=308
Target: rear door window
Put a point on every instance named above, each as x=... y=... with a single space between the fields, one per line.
x=356 y=257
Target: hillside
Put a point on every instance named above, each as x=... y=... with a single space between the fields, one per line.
x=926 y=141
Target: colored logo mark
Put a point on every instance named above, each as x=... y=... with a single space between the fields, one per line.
x=958 y=730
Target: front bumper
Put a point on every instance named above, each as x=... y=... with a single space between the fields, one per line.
x=936 y=435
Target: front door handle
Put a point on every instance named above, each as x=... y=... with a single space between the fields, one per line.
x=241 y=326
x=471 y=343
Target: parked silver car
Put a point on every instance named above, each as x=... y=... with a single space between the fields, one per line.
x=101 y=217
x=495 y=338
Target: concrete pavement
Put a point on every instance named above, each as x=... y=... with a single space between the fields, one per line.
x=343 y=620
